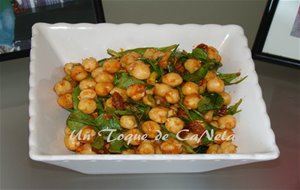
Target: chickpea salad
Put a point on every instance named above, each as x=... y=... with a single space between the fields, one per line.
x=149 y=100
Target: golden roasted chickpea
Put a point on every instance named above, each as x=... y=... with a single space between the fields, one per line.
x=128 y=122
x=214 y=123
x=172 y=79
x=87 y=94
x=103 y=88
x=191 y=101
x=192 y=65
x=174 y=124
x=172 y=111
x=215 y=85
x=158 y=114
x=108 y=103
x=78 y=73
x=192 y=140
x=136 y=91
x=171 y=146
x=172 y=96
x=210 y=75
x=223 y=135
x=213 y=149
x=129 y=58
x=68 y=67
x=121 y=91
x=133 y=136
x=152 y=53
x=87 y=84
x=104 y=77
x=96 y=72
x=65 y=101
x=149 y=100
x=112 y=66
x=212 y=53
x=161 y=89
x=202 y=86
x=128 y=151
x=189 y=88
x=87 y=106
x=145 y=148
x=87 y=135
x=227 y=148
x=227 y=122
x=85 y=149
x=226 y=97
x=208 y=116
x=71 y=142
x=63 y=87
x=140 y=70
x=89 y=64
x=151 y=128
x=68 y=131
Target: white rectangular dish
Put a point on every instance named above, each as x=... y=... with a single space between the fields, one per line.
x=53 y=45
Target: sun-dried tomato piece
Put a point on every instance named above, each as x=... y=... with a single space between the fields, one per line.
x=196 y=127
x=117 y=101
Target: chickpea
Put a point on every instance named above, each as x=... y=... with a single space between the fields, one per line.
x=108 y=103
x=89 y=64
x=174 y=124
x=68 y=67
x=161 y=89
x=192 y=140
x=68 y=131
x=121 y=91
x=85 y=149
x=112 y=66
x=136 y=91
x=149 y=100
x=189 y=88
x=151 y=128
x=191 y=101
x=215 y=85
x=87 y=84
x=173 y=96
x=158 y=114
x=214 y=123
x=172 y=111
x=227 y=122
x=129 y=58
x=146 y=148
x=87 y=106
x=172 y=79
x=192 y=65
x=78 y=73
x=171 y=146
x=227 y=148
x=104 y=77
x=71 y=142
x=226 y=97
x=152 y=53
x=150 y=91
x=97 y=71
x=87 y=94
x=223 y=135
x=65 y=101
x=128 y=151
x=212 y=53
x=140 y=70
x=63 y=87
x=210 y=75
x=202 y=86
x=208 y=116
x=87 y=135
x=213 y=149
x=103 y=88
x=136 y=136
x=128 y=122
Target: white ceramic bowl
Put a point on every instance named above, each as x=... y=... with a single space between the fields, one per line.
x=54 y=45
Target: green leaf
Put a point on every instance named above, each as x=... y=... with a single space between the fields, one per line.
x=98 y=143
x=81 y=117
x=107 y=123
x=116 y=146
x=234 y=108
x=195 y=115
x=229 y=77
x=200 y=54
x=201 y=149
x=212 y=65
x=75 y=99
x=119 y=112
x=197 y=75
x=154 y=67
x=74 y=125
x=211 y=101
x=124 y=80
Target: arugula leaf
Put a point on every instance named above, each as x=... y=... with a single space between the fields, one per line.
x=119 y=112
x=81 y=117
x=98 y=143
x=197 y=75
x=234 y=108
x=124 y=80
x=74 y=125
x=201 y=149
x=154 y=66
x=229 y=77
x=195 y=115
x=200 y=54
x=211 y=101
x=100 y=106
x=75 y=99
x=212 y=65
x=107 y=123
